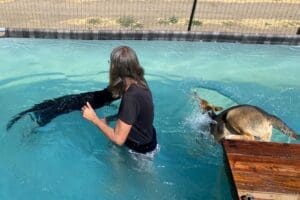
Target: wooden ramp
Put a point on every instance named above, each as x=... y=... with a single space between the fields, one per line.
x=264 y=170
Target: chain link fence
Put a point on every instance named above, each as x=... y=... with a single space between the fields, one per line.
x=230 y=16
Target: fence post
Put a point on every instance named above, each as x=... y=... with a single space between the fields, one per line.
x=192 y=15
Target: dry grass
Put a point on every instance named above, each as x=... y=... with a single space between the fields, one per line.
x=255 y=1
x=101 y=22
x=255 y=23
x=255 y=16
x=6 y=1
x=215 y=1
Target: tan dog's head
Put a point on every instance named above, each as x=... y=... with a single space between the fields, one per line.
x=205 y=106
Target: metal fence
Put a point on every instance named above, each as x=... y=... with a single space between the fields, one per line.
x=238 y=16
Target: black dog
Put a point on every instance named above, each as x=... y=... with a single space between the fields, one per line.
x=47 y=110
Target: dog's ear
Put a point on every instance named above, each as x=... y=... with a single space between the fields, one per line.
x=204 y=105
x=202 y=102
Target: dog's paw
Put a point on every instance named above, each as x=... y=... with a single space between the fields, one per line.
x=247 y=197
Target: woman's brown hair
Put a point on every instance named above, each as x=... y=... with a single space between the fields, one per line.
x=124 y=64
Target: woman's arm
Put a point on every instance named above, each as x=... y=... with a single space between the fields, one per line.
x=117 y=135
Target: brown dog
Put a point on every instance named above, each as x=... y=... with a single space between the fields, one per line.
x=245 y=122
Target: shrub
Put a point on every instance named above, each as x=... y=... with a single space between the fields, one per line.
x=173 y=20
x=197 y=23
x=228 y=23
x=94 y=21
x=129 y=22
x=170 y=20
x=126 y=21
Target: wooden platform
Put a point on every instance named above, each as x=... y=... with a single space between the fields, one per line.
x=264 y=170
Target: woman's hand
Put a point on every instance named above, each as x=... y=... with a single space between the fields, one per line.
x=88 y=112
x=117 y=135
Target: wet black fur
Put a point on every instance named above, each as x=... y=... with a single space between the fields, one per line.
x=47 y=110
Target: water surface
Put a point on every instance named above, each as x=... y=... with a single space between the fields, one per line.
x=70 y=159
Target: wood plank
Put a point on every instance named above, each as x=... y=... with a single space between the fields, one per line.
x=268 y=183
x=265 y=170
x=265 y=166
x=267 y=159
x=269 y=195
x=257 y=148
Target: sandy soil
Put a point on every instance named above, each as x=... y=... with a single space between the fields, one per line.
x=248 y=16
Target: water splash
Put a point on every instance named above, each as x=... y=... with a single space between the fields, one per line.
x=199 y=122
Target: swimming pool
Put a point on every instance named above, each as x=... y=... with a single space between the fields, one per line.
x=70 y=159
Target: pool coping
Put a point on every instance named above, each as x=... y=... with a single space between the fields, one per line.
x=2 y=32
x=151 y=35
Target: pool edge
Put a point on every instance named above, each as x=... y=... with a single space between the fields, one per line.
x=152 y=35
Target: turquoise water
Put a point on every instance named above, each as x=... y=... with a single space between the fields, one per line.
x=70 y=159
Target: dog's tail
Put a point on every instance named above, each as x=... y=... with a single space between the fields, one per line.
x=16 y=118
x=280 y=125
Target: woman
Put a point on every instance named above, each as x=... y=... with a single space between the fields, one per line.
x=134 y=126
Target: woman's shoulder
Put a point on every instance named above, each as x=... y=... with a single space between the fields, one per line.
x=137 y=90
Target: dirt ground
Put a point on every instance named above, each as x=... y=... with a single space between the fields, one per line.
x=245 y=16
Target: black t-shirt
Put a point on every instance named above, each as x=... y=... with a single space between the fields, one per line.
x=137 y=109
